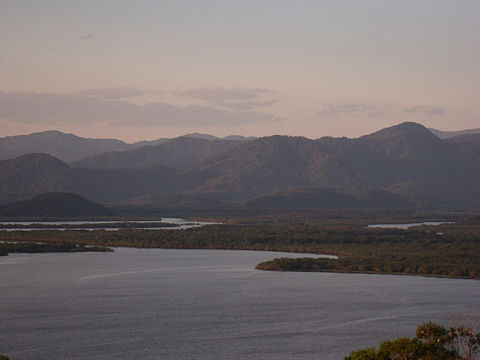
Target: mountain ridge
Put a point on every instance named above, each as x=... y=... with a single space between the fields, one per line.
x=449 y=134
x=66 y=146
x=70 y=147
x=405 y=160
x=175 y=153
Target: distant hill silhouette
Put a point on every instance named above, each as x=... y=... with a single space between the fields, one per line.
x=139 y=144
x=57 y=205
x=391 y=166
x=211 y=137
x=450 y=134
x=30 y=175
x=175 y=153
x=34 y=174
x=466 y=138
x=67 y=147
x=195 y=136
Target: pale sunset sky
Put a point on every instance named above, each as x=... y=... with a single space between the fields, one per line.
x=138 y=70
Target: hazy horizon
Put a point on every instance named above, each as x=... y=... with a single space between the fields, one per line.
x=146 y=70
x=220 y=137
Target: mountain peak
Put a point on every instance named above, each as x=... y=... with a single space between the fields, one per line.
x=65 y=146
x=201 y=136
x=405 y=127
x=50 y=132
x=409 y=131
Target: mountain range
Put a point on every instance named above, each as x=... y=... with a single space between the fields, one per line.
x=69 y=147
x=401 y=166
x=175 y=153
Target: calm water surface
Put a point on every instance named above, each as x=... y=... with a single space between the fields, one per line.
x=206 y=304
x=406 y=226
x=181 y=224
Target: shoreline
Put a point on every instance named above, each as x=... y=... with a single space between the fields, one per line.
x=374 y=273
x=259 y=266
x=294 y=265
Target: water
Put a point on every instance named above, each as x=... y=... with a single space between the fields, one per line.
x=180 y=224
x=406 y=226
x=206 y=304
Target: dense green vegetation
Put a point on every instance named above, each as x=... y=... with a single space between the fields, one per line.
x=380 y=263
x=445 y=250
x=431 y=342
x=449 y=250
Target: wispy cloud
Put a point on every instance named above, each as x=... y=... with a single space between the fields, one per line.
x=425 y=110
x=436 y=111
x=220 y=94
x=376 y=110
x=247 y=105
x=352 y=109
x=238 y=98
x=75 y=108
x=67 y=42
x=86 y=36
x=111 y=93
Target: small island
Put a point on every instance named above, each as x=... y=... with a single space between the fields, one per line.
x=366 y=266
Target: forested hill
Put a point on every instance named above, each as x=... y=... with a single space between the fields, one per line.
x=406 y=159
x=175 y=153
x=70 y=147
x=55 y=205
x=30 y=175
x=403 y=163
x=67 y=147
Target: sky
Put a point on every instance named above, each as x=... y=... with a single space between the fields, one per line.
x=138 y=70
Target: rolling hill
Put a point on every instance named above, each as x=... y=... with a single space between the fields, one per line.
x=390 y=166
x=449 y=134
x=175 y=153
x=70 y=148
x=66 y=147
x=406 y=159
x=30 y=175
x=55 y=205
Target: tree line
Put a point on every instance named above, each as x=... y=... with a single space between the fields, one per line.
x=446 y=250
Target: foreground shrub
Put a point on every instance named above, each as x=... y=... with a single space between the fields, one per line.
x=431 y=342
